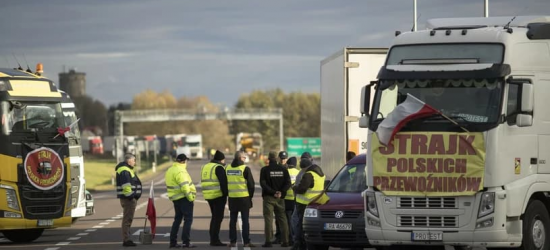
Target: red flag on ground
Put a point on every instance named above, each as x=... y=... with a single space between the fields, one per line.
x=151 y=212
x=412 y=108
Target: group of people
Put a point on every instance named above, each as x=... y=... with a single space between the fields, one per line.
x=286 y=192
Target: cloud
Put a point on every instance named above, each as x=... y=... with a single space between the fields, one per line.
x=104 y=55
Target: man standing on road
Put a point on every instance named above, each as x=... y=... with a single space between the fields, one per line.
x=240 y=186
x=283 y=157
x=182 y=192
x=128 y=188
x=214 y=190
x=289 y=198
x=309 y=184
x=275 y=182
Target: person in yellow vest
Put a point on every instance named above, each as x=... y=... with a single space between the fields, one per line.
x=309 y=185
x=290 y=202
x=240 y=186
x=182 y=192
x=128 y=188
x=214 y=190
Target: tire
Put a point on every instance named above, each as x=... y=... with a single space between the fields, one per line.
x=23 y=235
x=316 y=247
x=536 y=227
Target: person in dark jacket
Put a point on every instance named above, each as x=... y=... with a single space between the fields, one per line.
x=349 y=155
x=275 y=181
x=283 y=157
x=214 y=189
x=304 y=186
x=240 y=183
x=128 y=191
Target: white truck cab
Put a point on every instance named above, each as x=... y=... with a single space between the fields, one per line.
x=475 y=172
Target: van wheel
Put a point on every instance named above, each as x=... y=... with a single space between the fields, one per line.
x=316 y=247
x=23 y=235
x=536 y=226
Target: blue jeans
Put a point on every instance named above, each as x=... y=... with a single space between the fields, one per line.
x=297 y=221
x=233 y=216
x=184 y=210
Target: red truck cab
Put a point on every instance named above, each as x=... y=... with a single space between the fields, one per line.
x=340 y=222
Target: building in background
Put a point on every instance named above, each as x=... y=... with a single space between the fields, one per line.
x=73 y=83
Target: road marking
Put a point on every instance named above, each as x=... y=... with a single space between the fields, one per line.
x=74 y=238
x=141 y=230
x=91 y=230
x=104 y=223
x=63 y=243
x=52 y=248
x=97 y=227
x=82 y=234
x=111 y=220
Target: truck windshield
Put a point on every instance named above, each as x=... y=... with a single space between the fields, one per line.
x=70 y=118
x=478 y=52
x=350 y=179
x=464 y=100
x=33 y=116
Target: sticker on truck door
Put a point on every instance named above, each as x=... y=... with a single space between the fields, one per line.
x=517 y=165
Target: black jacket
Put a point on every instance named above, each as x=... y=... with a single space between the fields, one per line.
x=273 y=178
x=222 y=177
x=125 y=177
x=240 y=204
x=306 y=181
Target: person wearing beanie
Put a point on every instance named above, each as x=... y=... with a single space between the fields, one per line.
x=241 y=188
x=214 y=190
x=181 y=191
x=275 y=182
x=308 y=186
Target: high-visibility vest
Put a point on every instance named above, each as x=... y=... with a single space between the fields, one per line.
x=130 y=188
x=312 y=193
x=209 y=181
x=293 y=172
x=236 y=183
x=179 y=184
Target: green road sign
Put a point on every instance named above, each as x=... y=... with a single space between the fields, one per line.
x=295 y=146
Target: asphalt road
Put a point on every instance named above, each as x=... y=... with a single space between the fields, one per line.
x=102 y=230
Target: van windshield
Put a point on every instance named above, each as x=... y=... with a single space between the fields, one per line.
x=350 y=179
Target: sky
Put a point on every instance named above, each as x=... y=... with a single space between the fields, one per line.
x=216 y=48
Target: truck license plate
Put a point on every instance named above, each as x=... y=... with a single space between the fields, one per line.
x=45 y=223
x=427 y=236
x=338 y=226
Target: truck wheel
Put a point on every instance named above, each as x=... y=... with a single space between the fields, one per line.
x=23 y=235
x=316 y=247
x=536 y=226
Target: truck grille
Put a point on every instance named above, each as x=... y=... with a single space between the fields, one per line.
x=348 y=214
x=427 y=221
x=43 y=210
x=427 y=202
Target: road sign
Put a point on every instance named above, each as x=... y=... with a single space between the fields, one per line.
x=295 y=146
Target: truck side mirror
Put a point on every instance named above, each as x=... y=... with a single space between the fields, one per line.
x=365 y=105
x=527 y=99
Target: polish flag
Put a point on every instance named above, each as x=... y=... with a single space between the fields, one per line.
x=412 y=108
x=151 y=212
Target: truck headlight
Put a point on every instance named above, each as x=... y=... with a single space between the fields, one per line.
x=11 y=197
x=310 y=213
x=371 y=204
x=487 y=204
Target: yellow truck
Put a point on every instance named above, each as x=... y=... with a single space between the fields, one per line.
x=35 y=174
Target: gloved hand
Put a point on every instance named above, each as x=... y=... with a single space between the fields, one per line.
x=191 y=197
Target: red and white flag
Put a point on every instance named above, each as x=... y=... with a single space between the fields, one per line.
x=412 y=108
x=151 y=212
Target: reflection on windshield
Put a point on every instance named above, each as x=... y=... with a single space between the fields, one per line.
x=474 y=100
x=70 y=118
x=21 y=116
x=351 y=179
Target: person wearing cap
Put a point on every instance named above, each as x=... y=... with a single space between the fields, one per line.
x=283 y=157
x=275 y=182
x=129 y=190
x=214 y=190
x=182 y=192
x=309 y=185
x=240 y=186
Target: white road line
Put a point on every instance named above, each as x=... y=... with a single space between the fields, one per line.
x=111 y=220
x=104 y=223
x=74 y=238
x=82 y=234
x=52 y=248
x=91 y=230
x=63 y=243
x=97 y=227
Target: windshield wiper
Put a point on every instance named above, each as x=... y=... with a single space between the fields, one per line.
x=451 y=118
